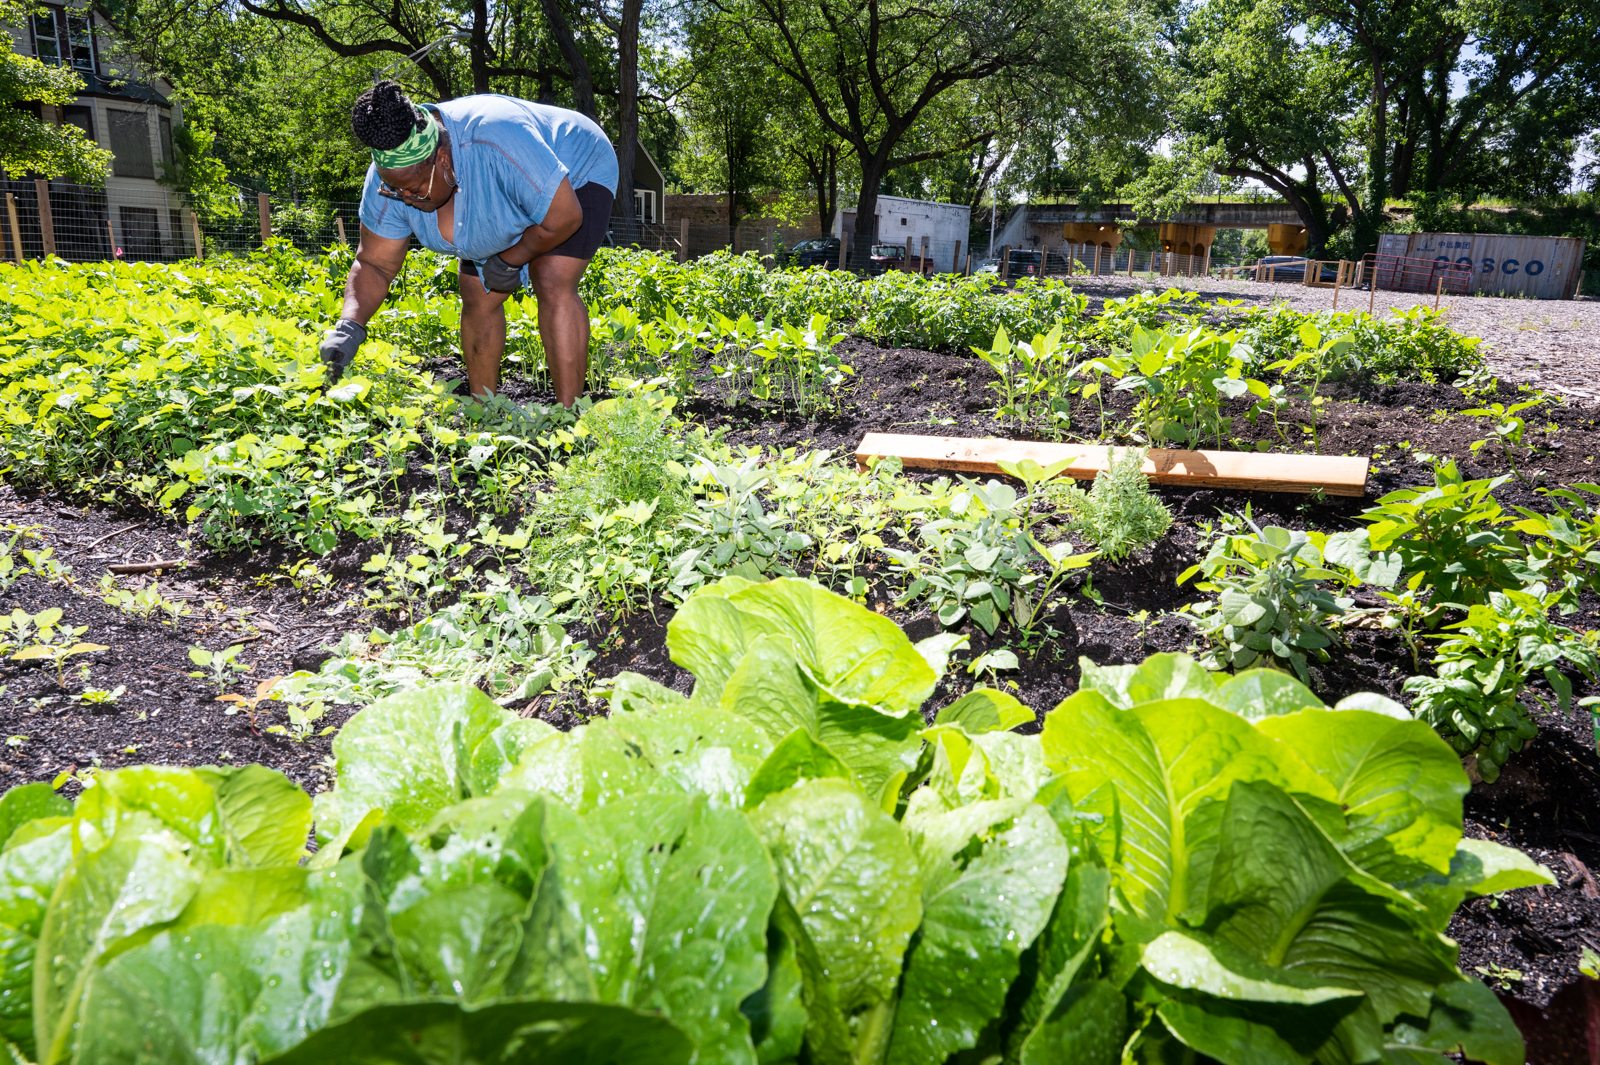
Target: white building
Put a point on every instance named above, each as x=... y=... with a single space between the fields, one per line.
x=941 y=224
x=132 y=119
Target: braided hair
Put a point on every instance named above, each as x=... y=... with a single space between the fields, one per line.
x=383 y=118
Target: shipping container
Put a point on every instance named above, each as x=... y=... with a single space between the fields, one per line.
x=1502 y=265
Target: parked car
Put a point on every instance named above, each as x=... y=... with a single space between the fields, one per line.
x=1024 y=263
x=1293 y=268
x=818 y=251
x=886 y=257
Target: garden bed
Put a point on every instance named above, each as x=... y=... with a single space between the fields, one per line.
x=1544 y=802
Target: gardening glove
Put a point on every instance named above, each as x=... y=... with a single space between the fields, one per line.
x=500 y=276
x=339 y=346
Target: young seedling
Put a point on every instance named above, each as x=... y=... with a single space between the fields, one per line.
x=1508 y=428
x=56 y=645
x=220 y=663
x=302 y=719
x=251 y=706
x=102 y=697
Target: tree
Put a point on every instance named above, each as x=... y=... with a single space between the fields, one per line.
x=870 y=71
x=28 y=143
x=728 y=145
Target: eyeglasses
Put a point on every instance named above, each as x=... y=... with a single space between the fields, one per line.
x=401 y=196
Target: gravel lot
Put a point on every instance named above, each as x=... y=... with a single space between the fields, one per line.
x=1554 y=344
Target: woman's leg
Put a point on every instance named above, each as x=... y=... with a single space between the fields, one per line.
x=483 y=335
x=563 y=323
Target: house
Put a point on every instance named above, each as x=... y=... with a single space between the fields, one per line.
x=649 y=189
x=940 y=225
x=131 y=118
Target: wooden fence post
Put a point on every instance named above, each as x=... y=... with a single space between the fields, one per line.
x=955 y=264
x=1005 y=263
x=112 y=237
x=47 y=224
x=264 y=209
x=908 y=255
x=338 y=225
x=199 y=238
x=1132 y=254
x=683 y=239
x=844 y=243
x=16 y=230
x=969 y=265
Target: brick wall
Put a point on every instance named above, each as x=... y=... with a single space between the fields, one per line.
x=711 y=209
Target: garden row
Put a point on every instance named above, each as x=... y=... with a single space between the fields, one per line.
x=790 y=864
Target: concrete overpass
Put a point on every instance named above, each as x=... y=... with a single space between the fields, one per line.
x=1034 y=224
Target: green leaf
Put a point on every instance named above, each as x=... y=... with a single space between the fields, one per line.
x=244 y=896
x=508 y=1033
x=459 y=940
x=1161 y=760
x=857 y=655
x=797 y=758
x=985 y=710
x=1044 y=1024
x=226 y=992
x=178 y=798
x=849 y=872
x=1229 y=1040
x=670 y=898
x=979 y=914
x=772 y=690
x=29 y=872
x=139 y=879
x=1185 y=961
x=1260 y=693
x=1467 y=1018
x=1161 y=676
x=266 y=818
x=501 y=749
x=777 y=1012
x=1088 y=1027
x=1399 y=784
x=28 y=802
x=409 y=755
x=672 y=746
x=1281 y=892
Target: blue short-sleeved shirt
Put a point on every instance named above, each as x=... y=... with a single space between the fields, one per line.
x=509 y=157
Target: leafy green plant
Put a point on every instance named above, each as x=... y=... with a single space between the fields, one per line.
x=142 y=602
x=1181 y=379
x=1119 y=513
x=1450 y=537
x=55 y=643
x=1508 y=428
x=980 y=556
x=250 y=706
x=1482 y=672
x=788 y=864
x=1272 y=605
x=1315 y=359
x=303 y=720
x=223 y=664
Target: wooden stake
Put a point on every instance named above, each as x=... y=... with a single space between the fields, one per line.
x=683 y=239
x=1338 y=281
x=1436 y=295
x=1097 y=260
x=16 y=230
x=844 y=242
x=47 y=225
x=908 y=255
x=199 y=239
x=338 y=224
x=1372 y=300
x=264 y=210
x=112 y=237
x=1005 y=263
x=955 y=264
x=1335 y=475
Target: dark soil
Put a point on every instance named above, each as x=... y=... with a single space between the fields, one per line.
x=1547 y=802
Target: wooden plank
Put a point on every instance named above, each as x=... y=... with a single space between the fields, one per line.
x=1335 y=475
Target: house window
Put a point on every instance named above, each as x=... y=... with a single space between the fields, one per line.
x=905 y=221
x=141 y=232
x=80 y=39
x=164 y=127
x=644 y=204
x=80 y=116
x=46 y=45
x=130 y=144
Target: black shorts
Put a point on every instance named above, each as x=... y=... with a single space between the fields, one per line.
x=595 y=199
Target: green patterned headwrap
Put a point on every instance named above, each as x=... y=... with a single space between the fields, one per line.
x=417 y=147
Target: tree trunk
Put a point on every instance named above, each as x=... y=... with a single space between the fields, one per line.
x=627 y=102
x=572 y=56
x=1368 y=220
x=478 y=46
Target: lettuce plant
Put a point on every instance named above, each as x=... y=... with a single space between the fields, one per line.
x=788 y=864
